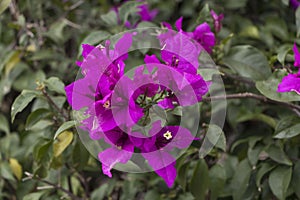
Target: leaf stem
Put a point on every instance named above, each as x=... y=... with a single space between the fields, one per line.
x=291 y=106
x=58 y=187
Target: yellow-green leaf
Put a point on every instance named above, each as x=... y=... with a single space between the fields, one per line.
x=62 y=142
x=3 y=5
x=16 y=168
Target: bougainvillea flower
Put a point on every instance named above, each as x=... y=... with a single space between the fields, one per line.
x=182 y=88
x=294 y=4
x=101 y=68
x=217 y=20
x=157 y=149
x=120 y=151
x=204 y=36
x=290 y=83
x=145 y=13
x=125 y=110
x=296 y=56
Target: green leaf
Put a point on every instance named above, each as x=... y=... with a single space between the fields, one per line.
x=36 y=116
x=241 y=179
x=100 y=192
x=22 y=101
x=33 y=196
x=289 y=132
x=94 y=38
x=279 y=181
x=4 y=126
x=204 y=14
x=235 y=4
x=277 y=27
x=127 y=9
x=56 y=31
x=200 y=180
x=296 y=178
x=253 y=154
x=5 y=171
x=216 y=136
x=269 y=88
x=65 y=126
x=3 y=5
x=80 y=156
x=217 y=179
x=297 y=17
x=62 y=142
x=152 y=194
x=110 y=18
x=263 y=170
x=56 y=85
x=282 y=52
x=182 y=175
x=248 y=61
x=277 y=154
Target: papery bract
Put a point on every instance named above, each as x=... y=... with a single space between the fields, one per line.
x=290 y=83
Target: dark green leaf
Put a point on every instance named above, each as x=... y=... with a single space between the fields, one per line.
x=296 y=179
x=263 y=169
x=22 y=101
x=289 y=132
x=277 y=154
x=36 y=116
x=248 y=62
x=94 y=38
x=269 y=88
x=110 y=18
x=4 y=126
x=279 y=181
x=200 y=180
x=152 y=194
x=5 y=171
x=56 y=85
x=100 y=192
x=34 y=196
x=127 y=9
x=241 y=180
x=253 y=154
x=235 y=4
x=217 y=179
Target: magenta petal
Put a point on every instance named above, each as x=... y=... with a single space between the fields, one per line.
x=163 y=164
x=182 y=137
x=123 y=45
x=178 y=23
x=290 y=83
x=77 y=96
x=296 y=56
x=112 y=156
x=87 y=49
x=168 y=174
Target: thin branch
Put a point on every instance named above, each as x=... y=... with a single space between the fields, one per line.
x=54 y=105
x=31 y=176
x=291 y=106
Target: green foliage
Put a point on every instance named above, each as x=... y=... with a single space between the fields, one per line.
x=254 y=156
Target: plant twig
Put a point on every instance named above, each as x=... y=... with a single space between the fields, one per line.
x=54 y=105
x=291 y=106
x=58 y=187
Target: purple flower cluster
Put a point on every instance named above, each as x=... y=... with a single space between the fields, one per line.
x=114 y=104
x=291 y=82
